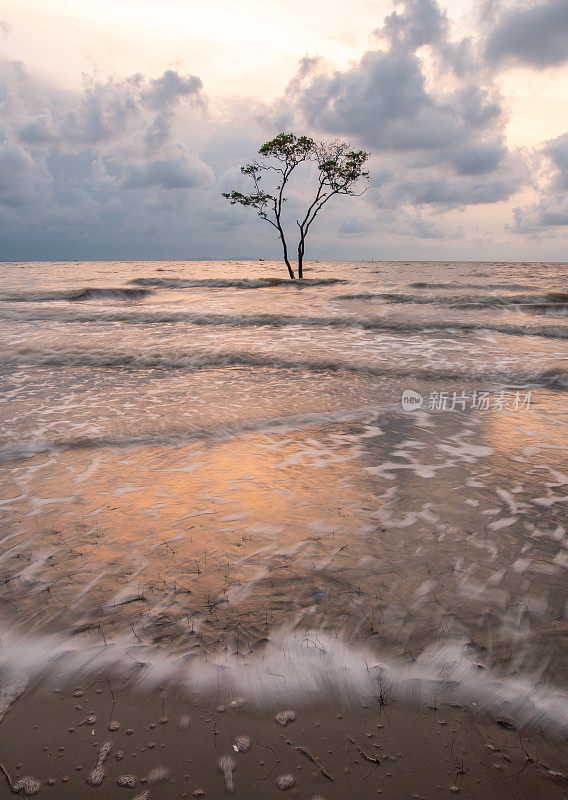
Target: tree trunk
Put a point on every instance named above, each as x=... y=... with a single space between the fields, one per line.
x=285 y=249
x=301 y=258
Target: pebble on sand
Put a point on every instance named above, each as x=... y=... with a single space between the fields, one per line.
x=285 y=717
x=114 y=725
x=127 y=780
x=27 y=785
x=285 y=782
x=242 y=744
x=183 y=723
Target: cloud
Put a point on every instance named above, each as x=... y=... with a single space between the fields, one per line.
x=557 y=152
x=420 y=101
x=551 y=209
x=480 y=158
x=132 y=110
x=111 y=163
x=546 y=214
x=420 y=22
x=22 y=180
x=529 y=33
x=184 y=172
x=170 y=88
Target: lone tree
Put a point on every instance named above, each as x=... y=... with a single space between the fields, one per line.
x=339 y=168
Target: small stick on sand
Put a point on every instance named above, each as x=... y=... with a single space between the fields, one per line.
x=266 y=747
x=365 y=755
x=314 y=761
x=6 y=775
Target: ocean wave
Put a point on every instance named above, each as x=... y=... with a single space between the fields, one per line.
x=156 y=317
x=294 y=666
x=76 y=295
x=28 y=448
x=512 y=287
x=234 y=283
x=548 y=299
x=555 y=378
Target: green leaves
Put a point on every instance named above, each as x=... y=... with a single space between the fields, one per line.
x=256 y=199
x=341 y=167
x=289 y=148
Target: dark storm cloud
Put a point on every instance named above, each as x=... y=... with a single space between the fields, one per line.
x=97 y=168
x=529 y=33
x=421 y=100
x=480 y=159
x=22 y=180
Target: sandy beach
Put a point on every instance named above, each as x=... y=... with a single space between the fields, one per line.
x=167 y=746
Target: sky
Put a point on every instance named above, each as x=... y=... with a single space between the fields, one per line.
x=123 y=121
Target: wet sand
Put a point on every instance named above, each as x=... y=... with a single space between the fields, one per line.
x=168 y=746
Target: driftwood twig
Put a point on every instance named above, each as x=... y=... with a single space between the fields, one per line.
x=314 y=761
x=374 y=759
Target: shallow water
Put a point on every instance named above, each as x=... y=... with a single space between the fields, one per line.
x=203 y=464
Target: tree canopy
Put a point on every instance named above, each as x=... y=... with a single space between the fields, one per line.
x=339 y=170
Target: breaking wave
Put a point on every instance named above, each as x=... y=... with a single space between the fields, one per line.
x=294 y=667
x=30 y=447
x=234 y=283
x=559 y=299
x=520 y=287
x=554 y=378
x=151 y=317
x=76 y=295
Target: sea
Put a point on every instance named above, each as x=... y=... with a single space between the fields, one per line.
x=356 y=484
